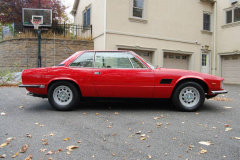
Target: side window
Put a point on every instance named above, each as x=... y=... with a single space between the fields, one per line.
x=112 y=60
x=136 y=63
x=84 y=60
x=206 y=22
x=86 y=17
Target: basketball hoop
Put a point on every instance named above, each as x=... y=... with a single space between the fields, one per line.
x=36 y=23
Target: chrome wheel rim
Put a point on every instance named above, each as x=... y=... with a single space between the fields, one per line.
x=62 y=95
x=189 y=97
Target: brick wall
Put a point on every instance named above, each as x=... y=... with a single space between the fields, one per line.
x=20 y=54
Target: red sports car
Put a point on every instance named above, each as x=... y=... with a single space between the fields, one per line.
x=118 y=74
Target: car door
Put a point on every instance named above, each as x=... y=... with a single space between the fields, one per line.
x=115 y=75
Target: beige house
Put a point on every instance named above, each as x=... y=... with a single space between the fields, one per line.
x=198 y=35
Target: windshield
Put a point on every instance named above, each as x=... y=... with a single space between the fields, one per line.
x=148 y=63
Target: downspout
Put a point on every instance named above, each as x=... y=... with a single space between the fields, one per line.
x=214 y=38
x=105 y=24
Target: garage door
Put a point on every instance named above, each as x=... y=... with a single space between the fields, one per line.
x=178 y=61
x=230 y=69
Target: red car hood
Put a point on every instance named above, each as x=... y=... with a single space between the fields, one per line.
x=186 y=73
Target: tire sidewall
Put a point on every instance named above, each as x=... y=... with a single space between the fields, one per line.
x=74 y=101
x=176 y=101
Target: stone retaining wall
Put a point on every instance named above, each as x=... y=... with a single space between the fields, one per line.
x=20 y=54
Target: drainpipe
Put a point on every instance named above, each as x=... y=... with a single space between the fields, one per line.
x=214 y=38
x=105 y=24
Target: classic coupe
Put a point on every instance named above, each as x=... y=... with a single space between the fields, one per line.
x=117 y=75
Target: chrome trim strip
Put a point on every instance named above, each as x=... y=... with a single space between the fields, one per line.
x=219 y=92
x=32 y=86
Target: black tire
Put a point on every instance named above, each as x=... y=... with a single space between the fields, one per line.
x=188 y=96
x=63 y=96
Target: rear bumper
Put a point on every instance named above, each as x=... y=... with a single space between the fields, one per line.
x=219 y=92
x=32 y=86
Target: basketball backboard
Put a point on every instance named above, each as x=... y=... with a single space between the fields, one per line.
x=45 y=15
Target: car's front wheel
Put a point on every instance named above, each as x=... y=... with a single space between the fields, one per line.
x=63 y=96
x=188 y=96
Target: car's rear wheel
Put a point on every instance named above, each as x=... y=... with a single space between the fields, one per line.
x=188 y=96
x=63 y=96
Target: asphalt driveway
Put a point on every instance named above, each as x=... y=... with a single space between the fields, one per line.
x=119 y=130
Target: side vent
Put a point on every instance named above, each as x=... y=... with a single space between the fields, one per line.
x=166 y=81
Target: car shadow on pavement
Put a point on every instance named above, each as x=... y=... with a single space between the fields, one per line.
x=115 y=106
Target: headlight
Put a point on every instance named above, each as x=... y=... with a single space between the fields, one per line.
x=221 y=84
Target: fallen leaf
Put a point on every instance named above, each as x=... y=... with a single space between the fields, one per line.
x=4 y=144
x=70 y=148
x=129 y=129
x=139 y=132
x=3 y=114
x=51 y=134
x=143 y=135
x=167 y=123
x=203 y=151
x=205 y=143
x=148 y=145
x=24 y=148
x=174 y=138
x=143 y=122
x=10 y=138
x=165 y=154
x=37 y=123
x=28 y=135
x=197 y=113
x=144 y=138
x=114 y=134
x=60 y=150
x=116 y=113
x=113 y=154
x=49 y=153
x=159 y=124
x=45 y=143
x=238 y=138
x=15 y=155
x=50 y=158
x=150 y=131
x=44 y=140
x=68 y=153
x=66 y=139
x=84 y=113
x=97 y=114
x=109 y=126
x=149 y=156
x=43 y=150
x=228 y=107
x=41 y=125
x=29 y=157
x=79 y=142
x=227 y=125
x=21 y=107
x=162 y=116
x=155 y=118
x=228 y=129
x=3 y=156
x=179 y=156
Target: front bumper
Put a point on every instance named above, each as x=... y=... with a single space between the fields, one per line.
x=32 y=86
x=219 y=92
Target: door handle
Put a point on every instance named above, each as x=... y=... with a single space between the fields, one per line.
x=97 y=72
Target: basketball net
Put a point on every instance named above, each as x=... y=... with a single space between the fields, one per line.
x=36 y=23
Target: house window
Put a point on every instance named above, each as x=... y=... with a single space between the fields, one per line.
x=233 y=15
x=86 y=17
x=204 y=60
x=171 y=56
x=184 y=57
x=138 y=8
x=206 y=22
